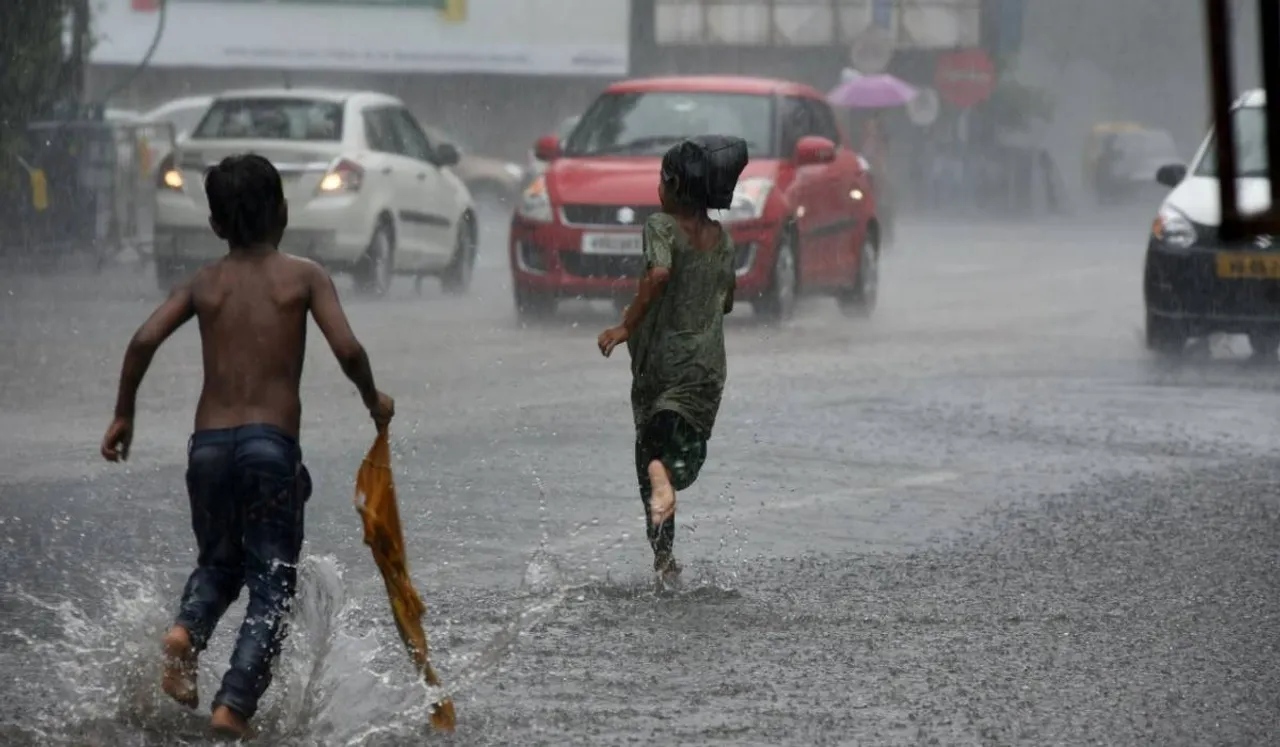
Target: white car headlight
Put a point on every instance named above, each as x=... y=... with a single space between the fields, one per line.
x=1173 y=229
x=535 y=203
x=749 y=201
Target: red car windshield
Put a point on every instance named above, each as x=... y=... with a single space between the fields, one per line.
x=646 y=124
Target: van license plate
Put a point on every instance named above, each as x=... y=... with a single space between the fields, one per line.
x=612 y=243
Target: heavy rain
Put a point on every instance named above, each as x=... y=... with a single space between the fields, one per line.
x=993 y=462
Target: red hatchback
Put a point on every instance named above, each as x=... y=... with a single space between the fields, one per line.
x=803 y=215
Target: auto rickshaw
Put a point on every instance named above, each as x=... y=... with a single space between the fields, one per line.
x=1121 y=159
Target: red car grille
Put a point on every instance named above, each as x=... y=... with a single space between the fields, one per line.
x=607 y=215
x=602 y=265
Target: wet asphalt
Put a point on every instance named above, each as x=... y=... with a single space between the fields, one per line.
x=982 y=517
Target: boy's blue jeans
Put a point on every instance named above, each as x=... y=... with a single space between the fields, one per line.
x=248 y=488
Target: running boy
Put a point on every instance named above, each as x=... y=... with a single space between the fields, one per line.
x=245 y=477
x=674 y=330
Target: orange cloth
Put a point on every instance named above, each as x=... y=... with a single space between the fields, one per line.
x=376 y=503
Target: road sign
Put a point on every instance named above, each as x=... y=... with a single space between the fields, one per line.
x=965 y=78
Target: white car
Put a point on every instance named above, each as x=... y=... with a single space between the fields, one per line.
x=1196 y=283
x=181 y=114
x=368 y=192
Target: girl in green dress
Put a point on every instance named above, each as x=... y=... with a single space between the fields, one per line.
x=674 y=330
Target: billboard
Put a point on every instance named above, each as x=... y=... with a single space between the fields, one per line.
x=519 y=37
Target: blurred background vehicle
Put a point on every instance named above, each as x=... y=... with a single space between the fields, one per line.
x=803 y=216
x=537 y=166
x=494 y=183
x=1121 y=160
x=181 y=115
x=369 y=192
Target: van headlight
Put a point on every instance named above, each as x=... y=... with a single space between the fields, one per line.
x=749 y=200
x=535 y=202
x=1173 y=229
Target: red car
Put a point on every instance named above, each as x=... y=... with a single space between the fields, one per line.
x=803 y=216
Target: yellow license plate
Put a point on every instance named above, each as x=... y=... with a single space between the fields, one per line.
x=1243 y=266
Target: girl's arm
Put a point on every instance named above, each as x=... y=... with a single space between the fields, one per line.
x=651 y=286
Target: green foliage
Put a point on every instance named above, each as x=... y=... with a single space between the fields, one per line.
x=35 y=71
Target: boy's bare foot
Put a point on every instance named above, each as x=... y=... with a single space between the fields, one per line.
x=181 y=664
x=228 y=724
x=662 y=503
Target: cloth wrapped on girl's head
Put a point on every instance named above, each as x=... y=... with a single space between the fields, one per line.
x=704 y=170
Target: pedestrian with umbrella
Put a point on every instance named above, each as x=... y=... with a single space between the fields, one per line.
x=873 y=94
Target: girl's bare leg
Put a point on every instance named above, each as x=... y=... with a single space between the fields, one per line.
x=663 y=504
x=662 y=509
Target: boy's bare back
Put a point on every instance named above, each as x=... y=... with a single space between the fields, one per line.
x=252 y=308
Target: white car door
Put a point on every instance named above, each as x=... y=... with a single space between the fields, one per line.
x=435 y=213
x=395 y=184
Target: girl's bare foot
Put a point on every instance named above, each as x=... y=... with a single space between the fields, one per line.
x=668 y=570
x=227 y=723
x=181 y=663
x=662 y=503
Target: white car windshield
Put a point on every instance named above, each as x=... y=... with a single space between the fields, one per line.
x=272 y=119
x=1250 y=125
x=647 y=124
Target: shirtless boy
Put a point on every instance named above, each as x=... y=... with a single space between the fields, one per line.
x=245 y=477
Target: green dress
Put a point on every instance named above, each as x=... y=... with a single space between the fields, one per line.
x=677 y=350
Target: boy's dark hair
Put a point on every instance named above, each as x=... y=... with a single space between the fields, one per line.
x=701 y=172
x=246 y=199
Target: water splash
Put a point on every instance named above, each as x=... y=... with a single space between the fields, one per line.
x=332 y=678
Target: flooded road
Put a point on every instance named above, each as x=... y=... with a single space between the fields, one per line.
x=982 y=517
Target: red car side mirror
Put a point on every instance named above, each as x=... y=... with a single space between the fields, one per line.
x=547 y=148
x=813 y=150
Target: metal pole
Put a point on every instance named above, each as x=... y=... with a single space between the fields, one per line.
x=644 y=37
x=1221 y=87
x=1269 y=25
x=79 y=54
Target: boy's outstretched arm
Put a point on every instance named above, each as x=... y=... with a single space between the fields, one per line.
x=333 y=324
x=163 y=322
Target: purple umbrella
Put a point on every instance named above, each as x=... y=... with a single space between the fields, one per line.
x=871 y=92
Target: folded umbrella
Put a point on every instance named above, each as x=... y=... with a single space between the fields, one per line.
x=871 y=92
x=375 y=501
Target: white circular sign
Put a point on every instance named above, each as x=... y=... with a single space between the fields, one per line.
x=872 y=51
x=626 y=215
x=923 y=110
